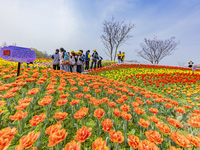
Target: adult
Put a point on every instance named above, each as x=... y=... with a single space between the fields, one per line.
x=73 y=61
x=55 y=58
x=87 y=59
x=119 y=57
x=62 y=54
x=82 y=57
x=66 y=61
x=190 y=64
x=99 y=61
x=80 y=61
x=94 y=59
x=123 y=57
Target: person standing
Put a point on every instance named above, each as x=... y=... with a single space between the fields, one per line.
x=66 y=61
x=83 y=58
x=123 y=57
x=99 y=61
x=56 y=60
x=73 y=61
x=80 y=61
x=119 y=57
x=190 y=64
x=94 y=59
x=87 y=59
x=62 y=53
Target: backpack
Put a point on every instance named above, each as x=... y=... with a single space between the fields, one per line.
x=72 y=60
x=95 y=55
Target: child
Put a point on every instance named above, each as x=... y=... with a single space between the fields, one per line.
x=73 y=61
x=66 y=61
x=190 y=64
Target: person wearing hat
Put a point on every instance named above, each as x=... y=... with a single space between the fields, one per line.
x=94 y=59
x=119 y=57
x=83 y=58
x=55 y=58
x=190 y=64
x=72 y=61
x=87 y=59
x=123 y=57
x=80 y=61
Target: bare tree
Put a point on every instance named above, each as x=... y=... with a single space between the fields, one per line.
x=155 y=50
x=115 y=33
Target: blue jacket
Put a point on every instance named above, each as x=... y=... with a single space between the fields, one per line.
x=66 y=57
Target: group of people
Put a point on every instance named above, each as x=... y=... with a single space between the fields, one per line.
x=121 y=57
x=75 y=61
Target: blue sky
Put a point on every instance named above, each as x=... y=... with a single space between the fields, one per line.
x=77 y=24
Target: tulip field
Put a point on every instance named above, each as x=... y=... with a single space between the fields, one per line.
x=118 y=107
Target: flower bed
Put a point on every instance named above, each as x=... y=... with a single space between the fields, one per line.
x=56 y=109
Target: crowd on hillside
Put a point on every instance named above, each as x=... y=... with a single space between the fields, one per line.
x=75 y=61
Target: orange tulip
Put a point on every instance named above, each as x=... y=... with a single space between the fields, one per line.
x=153 y=110
x=18 y=115
x=134 y=104
x=194 y=140
x=147 y=145
x=133 y=141
x=9 y=95
x=25 y=100
x=99 y=113
x=154 y=136
x=22 y=106
x=57 y=137
x=173 y=148
x=2 y=103
x=46 y=100
x=79 y=95
x=73 y=146
x=174 y=122
x=154 y=119
x=53 y=128
x=126 y=116
x=74 y=102
x=125 y=108
x=82 y=134
x=5 y=143
x=112 y=104
x=139 y=111
x=163 y=128
x=64 y=95
x=99 y=144
x=117 y=112
x=116 y=137
x=143 y=123
x=33 y=91
x=28 y=140
x=181 y=140
x=179 y=109
x=107 y=125
x=37 y=119
x=60 y=115
x=81 y=113
x=105 y=100
x=61 y=102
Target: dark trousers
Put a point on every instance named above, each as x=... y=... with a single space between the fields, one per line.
x=87 y=62
x=70 y=67
x=56 y=67
x=99 y=64
x=79 y=68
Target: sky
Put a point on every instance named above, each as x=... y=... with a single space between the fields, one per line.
x=48 y=25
